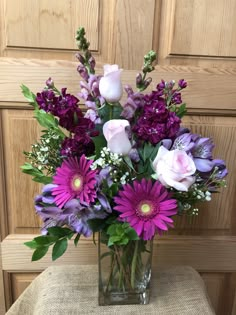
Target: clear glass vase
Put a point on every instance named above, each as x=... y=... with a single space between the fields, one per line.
x=124 y=272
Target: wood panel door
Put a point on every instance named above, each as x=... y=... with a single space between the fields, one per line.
x=195 y=40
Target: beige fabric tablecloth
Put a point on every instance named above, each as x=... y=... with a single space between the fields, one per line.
x=71 y=290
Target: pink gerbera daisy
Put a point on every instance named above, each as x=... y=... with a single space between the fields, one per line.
x=147 y=207
x=74 y=179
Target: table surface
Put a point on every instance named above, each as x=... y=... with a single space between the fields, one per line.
x=71 y=290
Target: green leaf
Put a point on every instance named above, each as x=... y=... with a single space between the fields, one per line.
x=154 y=176
x=112 y=229
x=124 y=241
x=128 y=162
x=181 y=111
x=45 y=119
x=39 y=253
x=113 y=239
x=96 y=224
x=132 y=235
x=31 y=244
x=38 y=175
x=59 y=248
x=76 y=240
x=99 y=142
x=31 y=98
x=42 y=179
x=45 y=240
x=59 y=231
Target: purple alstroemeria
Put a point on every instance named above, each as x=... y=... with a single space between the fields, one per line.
x=203 y=165
x=104 y=175
x=220 y=169
x=79 y=214
x=203 y=147
x=183 y=142
x=104 y=202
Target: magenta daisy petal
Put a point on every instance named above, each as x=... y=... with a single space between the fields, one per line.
x=74 y=179
x=147 y=207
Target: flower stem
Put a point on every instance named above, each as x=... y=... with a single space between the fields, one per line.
x=121 y=265
x=134 y=263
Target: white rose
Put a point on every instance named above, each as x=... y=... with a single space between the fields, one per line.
x=174 y=168
x=110 y=86
x=116 y=136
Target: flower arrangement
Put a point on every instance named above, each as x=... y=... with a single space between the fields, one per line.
x=124 y=168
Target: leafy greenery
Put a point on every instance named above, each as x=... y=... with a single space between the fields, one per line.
x=120 y=234
x=57 y=236
x=38 y=175
x=30 y=96
x=147 y=153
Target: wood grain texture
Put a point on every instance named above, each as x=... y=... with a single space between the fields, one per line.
x=54 y=22
x=205 y=254
x=20 y=131
x=20 y=281
x=204 y=91
x=2 y=296
x=197 y=33
x=3 y=201
x=131 y=19
x=221 y=290
x=218 y=213
x=211 y=23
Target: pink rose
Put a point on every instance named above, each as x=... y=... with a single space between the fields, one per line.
x=174 y=168
x=110 y=86
x=116 y=136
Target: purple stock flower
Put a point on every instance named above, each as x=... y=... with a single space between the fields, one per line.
x=72 y=147
x=133 y=102
x=83 y=72
x=156 y=122
x=182 y=84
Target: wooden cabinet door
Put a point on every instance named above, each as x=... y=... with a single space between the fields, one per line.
x=195 y=40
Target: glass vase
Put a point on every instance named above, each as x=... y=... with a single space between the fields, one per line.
x=124 y=272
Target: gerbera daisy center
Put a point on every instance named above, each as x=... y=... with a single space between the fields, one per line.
x=77 y=182
x=146 y=207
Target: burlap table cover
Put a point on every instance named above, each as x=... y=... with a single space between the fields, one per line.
x=72 y=290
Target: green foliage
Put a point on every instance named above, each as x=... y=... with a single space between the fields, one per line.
x=38 y=176
x=120 y=234
x=82 y=42
x=30 y=96
x=96 y=224
x=76 y=240
x=181 y=110
x=39 y=253
x=58 y=236
x=147 y=153
x=99 y=142
x=110 y=111
x=59 y=248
